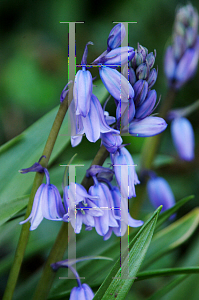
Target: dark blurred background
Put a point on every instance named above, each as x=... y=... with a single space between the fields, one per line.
x=34 y=45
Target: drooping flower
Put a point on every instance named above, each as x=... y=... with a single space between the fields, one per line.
x=82 y=291
x=181 y=59
x=116 y=84
x=83 y=86
x=125 y=173
x=105 y=202
x=47 y=202
x=80 y=207
x=111 y=141
x=183 y=138
x=160 y=193
x=121 y=214
x=92 y=125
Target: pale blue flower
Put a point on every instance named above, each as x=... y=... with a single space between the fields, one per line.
x=92 y=125
x=105 y=202
x=160 y=193
x=122 y=215
x=80 y=207
x=181 y=59
x=124 y=167
x=183 y=138
x=47 y=204
x=116 y=84
x=82 y=292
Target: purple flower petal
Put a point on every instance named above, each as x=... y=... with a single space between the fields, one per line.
x=160 y=193
x=147 y=127
x=82 y=92
x=116 y=84
x=183 y=138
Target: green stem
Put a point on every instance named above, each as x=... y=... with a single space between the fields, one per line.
x=59 y=247
x=23 y=239
x=56 y=254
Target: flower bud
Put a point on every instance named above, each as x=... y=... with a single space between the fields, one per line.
x=147 y=106
x=150 y=59
x=116 y=84
x=117 y=57
x=141 y=90
x=137 y=60
x=160 y=193
x=111 y=141
x=183 y=138
x=129 y=74
x=152 y=78
x=149 y=126
x=143 y=51
x=82 y=92
x=142 y=71
x=116 y=36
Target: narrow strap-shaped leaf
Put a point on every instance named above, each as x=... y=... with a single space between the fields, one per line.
x=169 y=212
x=172 y=236
x=167 y=288
x=166 y=272
x=118 y=286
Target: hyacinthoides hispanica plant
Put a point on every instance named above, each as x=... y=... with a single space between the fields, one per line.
x=101 y=200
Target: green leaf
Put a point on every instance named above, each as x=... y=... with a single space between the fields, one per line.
x=26 y=151
x=167 y=288
x=9 y=209
x=169 y=212
x=166 y=272
x=172 y=236
x=116 y=286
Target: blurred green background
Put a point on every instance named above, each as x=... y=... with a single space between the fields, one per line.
x=34 y=63
x=34 y=48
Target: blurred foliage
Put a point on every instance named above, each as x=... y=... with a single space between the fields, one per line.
x=34 y=63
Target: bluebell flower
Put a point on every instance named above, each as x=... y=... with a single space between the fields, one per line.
x=116 y=36
x=146 y=127
x=147 y=107
x=100 y=172
x=183 y=138
x=181 y=59
x=47 y=204
x=92 y=125
x=116 y=84
x=160 y=193
x=82 y=292
x=83 y=85
x=64 y=92
x=111 y=141
x=114 y=40
x=121 y=158
x=135 y=118
x=80 y=207
x=125 y=113
x=116 y=58
x=122 y=215
x=105 y=202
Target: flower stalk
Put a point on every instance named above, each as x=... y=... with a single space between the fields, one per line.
x=23 y=240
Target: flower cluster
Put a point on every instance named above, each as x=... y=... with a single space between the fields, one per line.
x=134 y=99
x=181 y=59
